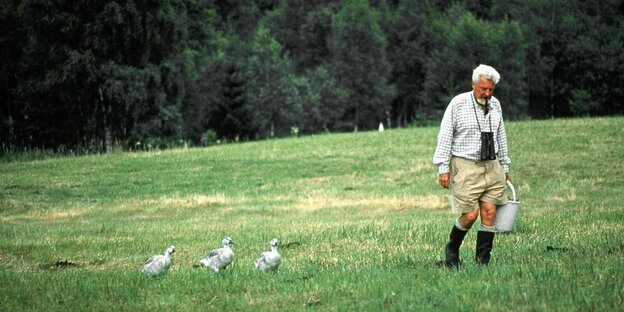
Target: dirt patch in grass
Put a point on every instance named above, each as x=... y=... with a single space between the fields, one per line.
x=189 y=201
x=377 y=204
x=52 y=214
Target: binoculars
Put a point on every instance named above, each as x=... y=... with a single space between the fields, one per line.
x=487 y=146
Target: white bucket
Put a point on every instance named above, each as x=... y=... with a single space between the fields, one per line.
x=506 y=214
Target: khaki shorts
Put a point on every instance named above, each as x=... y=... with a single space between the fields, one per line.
x=475 y=181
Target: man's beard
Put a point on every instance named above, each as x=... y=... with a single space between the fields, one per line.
x=482 y=101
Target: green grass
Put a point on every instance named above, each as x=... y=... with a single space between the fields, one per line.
x=361 y=220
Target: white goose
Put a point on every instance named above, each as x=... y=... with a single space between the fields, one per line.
x=158 y=264
x=218 y=259
x=270 y=260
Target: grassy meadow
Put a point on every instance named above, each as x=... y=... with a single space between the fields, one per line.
x=360 y=217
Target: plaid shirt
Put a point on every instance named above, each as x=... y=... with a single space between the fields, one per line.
x=460 y=133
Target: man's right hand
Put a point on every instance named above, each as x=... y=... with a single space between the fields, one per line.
x=445 y=180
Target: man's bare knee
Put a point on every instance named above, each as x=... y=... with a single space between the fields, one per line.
x=468 y=218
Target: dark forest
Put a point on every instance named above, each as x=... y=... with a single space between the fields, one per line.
x=90 y=74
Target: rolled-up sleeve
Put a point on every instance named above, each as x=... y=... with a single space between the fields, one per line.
x=442 y=155
x=503 y=156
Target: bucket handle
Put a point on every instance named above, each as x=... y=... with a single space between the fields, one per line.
x=513 y=190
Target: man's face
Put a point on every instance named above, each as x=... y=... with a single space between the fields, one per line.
x=483 y=90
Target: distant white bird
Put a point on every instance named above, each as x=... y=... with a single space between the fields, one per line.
x=218 y=259
x=270 y=260
x=159 y=264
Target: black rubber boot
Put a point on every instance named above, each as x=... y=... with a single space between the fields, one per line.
x=452 y=247
x=485 y=241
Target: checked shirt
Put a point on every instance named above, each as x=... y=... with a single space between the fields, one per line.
x=460 y=132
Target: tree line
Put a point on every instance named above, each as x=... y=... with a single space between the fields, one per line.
x=93 y=73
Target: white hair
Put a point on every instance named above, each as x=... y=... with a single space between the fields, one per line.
x=485 y=71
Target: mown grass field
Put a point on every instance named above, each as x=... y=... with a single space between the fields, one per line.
x=360 y=216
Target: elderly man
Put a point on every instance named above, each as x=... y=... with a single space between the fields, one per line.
x=471 y=156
